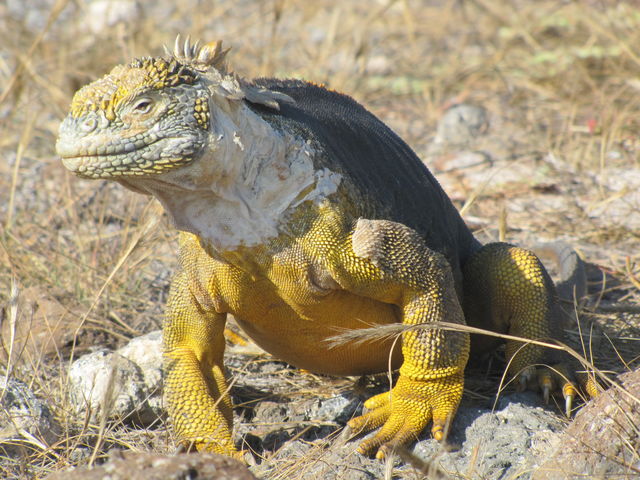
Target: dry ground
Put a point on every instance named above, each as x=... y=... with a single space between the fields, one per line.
x=86 y=263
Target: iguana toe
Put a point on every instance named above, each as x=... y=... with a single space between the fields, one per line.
x=405 y=411
x=568 y=400
x=558 y=378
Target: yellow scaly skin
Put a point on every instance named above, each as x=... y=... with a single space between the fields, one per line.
x=508 y=290
x=331 y=267
x=292 y=301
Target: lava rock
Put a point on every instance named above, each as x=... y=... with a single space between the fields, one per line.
x=24 y=419
x=603 y=440
x=151 y=466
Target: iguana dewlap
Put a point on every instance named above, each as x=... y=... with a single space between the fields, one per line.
x=303 y=215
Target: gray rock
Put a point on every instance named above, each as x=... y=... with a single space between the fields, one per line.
x=496 y=444
x=105 y=383
x=603 y=441
x=322 y=461
x=146 y=352
x=25 y=420
x=274 y=412
x=337 y=409
x=461 y=124
x=123 y=385
x=483 y=445
x=300 y=438
x=153 y=466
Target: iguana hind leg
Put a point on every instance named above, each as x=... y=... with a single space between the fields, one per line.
x=507 y=290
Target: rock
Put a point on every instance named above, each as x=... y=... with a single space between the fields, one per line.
x=603 y=441
x=337 y=409
x=125 y=384
x=103 y=382
x=25 y=420
x=146 y=352
x=461 y=124
x=299 y=438
x=151 y=466
x=323 y=461
x=275 y=423
x=504 y=443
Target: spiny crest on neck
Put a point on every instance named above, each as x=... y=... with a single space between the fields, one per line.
x=200 y=57
x=185 y=65
x=211 y=59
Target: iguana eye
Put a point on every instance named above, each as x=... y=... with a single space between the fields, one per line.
x=143 y=106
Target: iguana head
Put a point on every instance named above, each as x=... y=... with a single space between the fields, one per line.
x=152 y=115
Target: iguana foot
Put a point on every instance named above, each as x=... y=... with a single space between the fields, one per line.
x=557 y=378
x=507 y=289
x=243 y=456
x=216 y=446
x=405 y=411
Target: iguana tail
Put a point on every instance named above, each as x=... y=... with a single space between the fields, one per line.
x=571 y=280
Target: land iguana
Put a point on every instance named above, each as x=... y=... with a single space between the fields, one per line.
x=303 y=215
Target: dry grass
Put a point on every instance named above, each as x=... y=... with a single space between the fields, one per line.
x=86 y=263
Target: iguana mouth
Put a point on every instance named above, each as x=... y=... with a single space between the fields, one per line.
x=126 y=161
x=113 y=165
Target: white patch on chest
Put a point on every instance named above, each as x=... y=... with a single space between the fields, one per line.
x=237 y=194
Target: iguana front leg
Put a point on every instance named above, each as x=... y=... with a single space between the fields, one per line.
x=391 y=263
x=196 y=391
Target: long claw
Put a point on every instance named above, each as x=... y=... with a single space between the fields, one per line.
x=346 y=434
x=522 y=386
x=386 y=451
x=545 y=394
x=568 y=403
x=569 y=392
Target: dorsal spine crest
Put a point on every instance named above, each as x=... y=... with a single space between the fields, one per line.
x=185 y=65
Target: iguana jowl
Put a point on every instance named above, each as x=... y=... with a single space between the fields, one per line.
x=303 y=215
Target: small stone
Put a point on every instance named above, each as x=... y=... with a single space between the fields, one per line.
x=124 y=385
x=461 y=124
x=337 y=409
x=24 y=419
